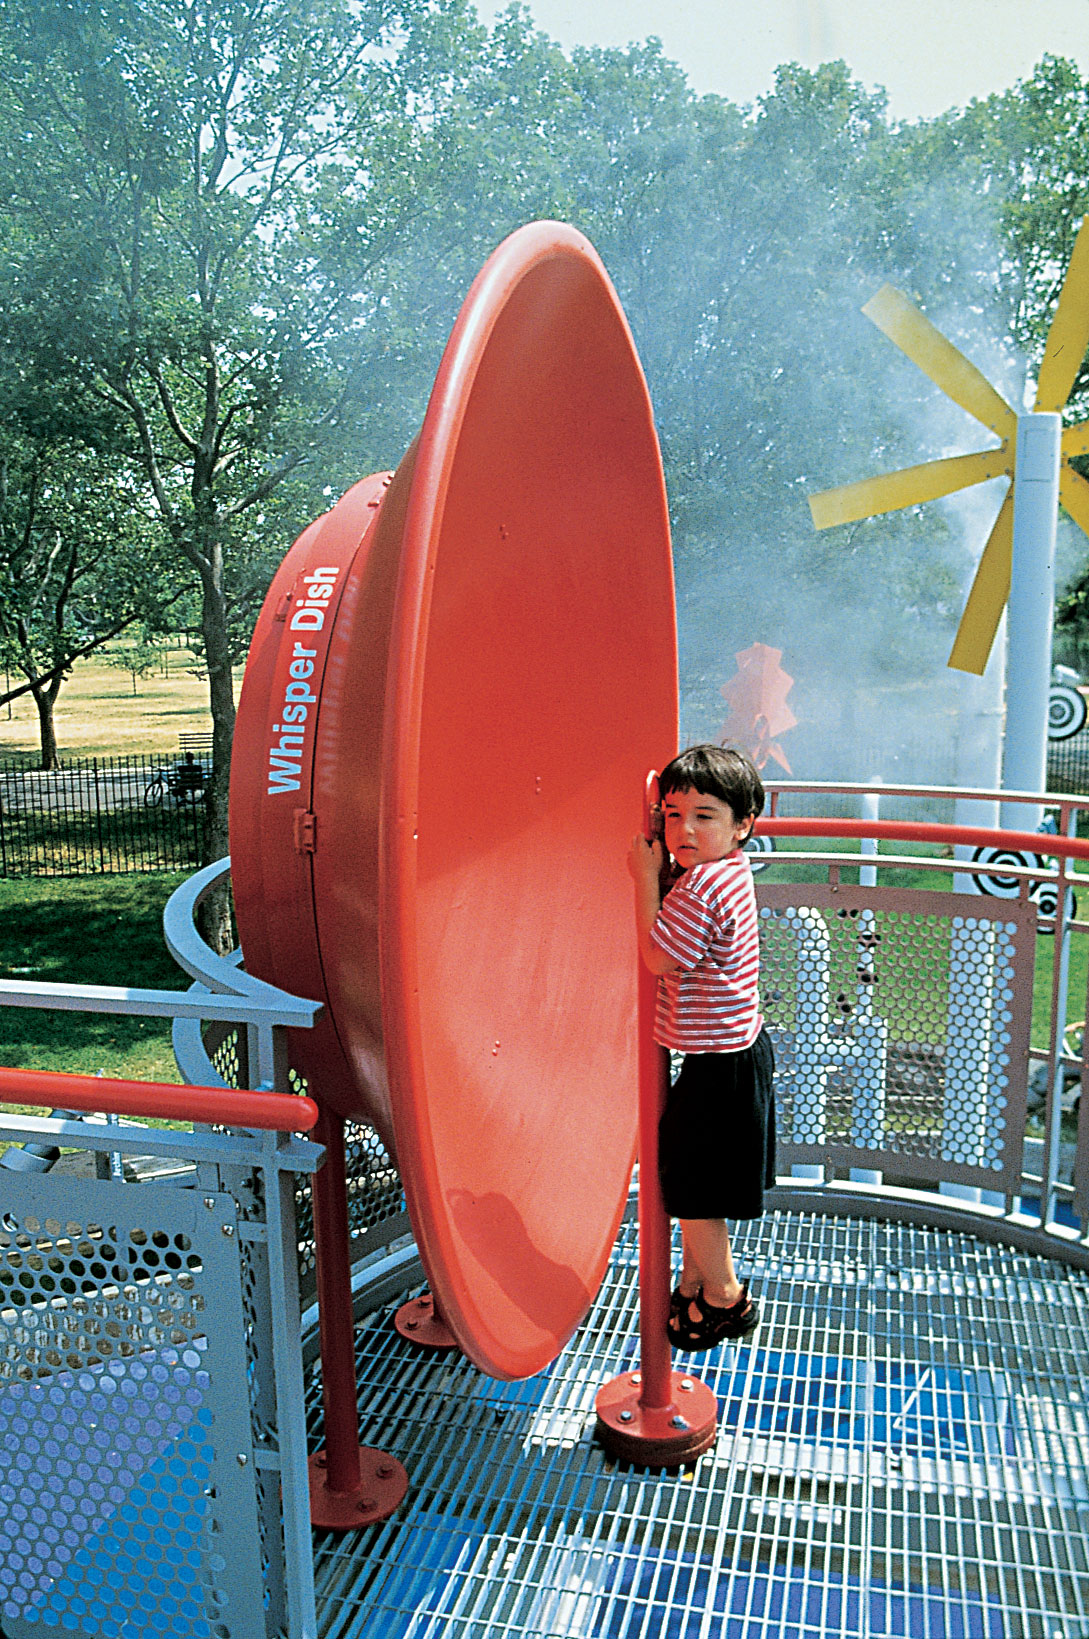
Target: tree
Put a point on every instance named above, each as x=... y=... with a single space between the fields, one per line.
x=743 y=244
x=139 y=659
x=77 y=563
x=197 y=192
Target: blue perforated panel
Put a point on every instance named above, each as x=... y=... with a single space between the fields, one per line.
x=126 y=1461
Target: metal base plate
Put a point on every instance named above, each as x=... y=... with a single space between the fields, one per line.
x=382 y=1486
x=417 y=1322
x=658 y=1436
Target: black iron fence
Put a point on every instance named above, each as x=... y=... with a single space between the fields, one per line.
x=140 y=813
x=102 y=814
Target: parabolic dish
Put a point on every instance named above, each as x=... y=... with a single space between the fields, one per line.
x=492 y=637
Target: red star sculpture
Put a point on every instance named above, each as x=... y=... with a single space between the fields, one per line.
x=757 y=701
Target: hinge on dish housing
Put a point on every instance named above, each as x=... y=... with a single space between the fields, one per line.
x=306 y=825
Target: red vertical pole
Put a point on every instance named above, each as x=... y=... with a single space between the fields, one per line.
x=350 y=1485
x=654 y=1416
x=335 y=1322
x=654 y=1240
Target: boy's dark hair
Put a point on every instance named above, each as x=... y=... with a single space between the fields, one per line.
x=716 y=771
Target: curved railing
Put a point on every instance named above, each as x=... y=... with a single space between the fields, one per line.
x=1036 y=1193
x=1048 y=1207
x=251 y=1049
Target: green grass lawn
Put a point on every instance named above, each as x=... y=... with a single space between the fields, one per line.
x=87 y=930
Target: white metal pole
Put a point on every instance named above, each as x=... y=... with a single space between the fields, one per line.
x=1031 y=613
x=979 y=750
x=867 y=878
x=871 y=810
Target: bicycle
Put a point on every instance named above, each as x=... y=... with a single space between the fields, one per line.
x=184 y=784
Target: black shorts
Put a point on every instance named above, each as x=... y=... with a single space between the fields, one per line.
x=716 y=1138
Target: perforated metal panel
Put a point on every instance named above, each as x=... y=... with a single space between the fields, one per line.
x=901 y=1033
x=226 y=1046
x=377 y=1212
x=126 y=1459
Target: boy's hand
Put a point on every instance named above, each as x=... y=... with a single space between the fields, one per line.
x=646 y=862
x=645 y=859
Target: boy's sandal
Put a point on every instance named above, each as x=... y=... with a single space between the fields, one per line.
x=679 y=1320
x=678 y=1302
x=715 y=1325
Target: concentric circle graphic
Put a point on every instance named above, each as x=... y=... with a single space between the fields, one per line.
x=1067 y=711
x=996 y=883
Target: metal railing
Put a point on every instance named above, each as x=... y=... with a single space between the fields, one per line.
x=179 y=1306
x=1034 y=1190
x=1034 y=874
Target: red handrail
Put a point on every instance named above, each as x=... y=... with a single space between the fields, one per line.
x=218 y=1106
x=1032 y=842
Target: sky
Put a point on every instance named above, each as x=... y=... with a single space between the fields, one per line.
x=930 y=55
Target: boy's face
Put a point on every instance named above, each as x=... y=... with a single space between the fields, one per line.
x=699 y=829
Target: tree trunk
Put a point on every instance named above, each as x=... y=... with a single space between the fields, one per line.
x=44 y=699
x=215 y=914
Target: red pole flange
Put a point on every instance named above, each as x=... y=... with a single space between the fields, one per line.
x=657 y=1417
x=420 y=1321
x=350 y=1485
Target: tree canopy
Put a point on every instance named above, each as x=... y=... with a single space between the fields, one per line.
x=236 y=234
x=197 y=194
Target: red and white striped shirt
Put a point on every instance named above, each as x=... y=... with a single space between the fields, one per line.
x=708 y=924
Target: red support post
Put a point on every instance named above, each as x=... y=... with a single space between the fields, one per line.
x=350 y=1485
x=654 y=1239
x=656 y=1417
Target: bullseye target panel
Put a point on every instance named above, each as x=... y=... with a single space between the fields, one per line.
x=429 y=828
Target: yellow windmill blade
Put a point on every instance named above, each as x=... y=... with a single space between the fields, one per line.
x=1075 y=440
x=1074 y=495
x=907 y=487
x=1069 y=334
x=987 y=599
x=901 y=321
x=961 y=382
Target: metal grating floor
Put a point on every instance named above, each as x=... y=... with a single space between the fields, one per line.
x=903 y=1450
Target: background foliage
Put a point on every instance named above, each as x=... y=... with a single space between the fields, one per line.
x=236 y=234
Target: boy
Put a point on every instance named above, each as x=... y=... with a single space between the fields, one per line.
x=717 y=1133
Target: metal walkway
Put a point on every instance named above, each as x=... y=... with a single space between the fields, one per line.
x=903 y=1451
